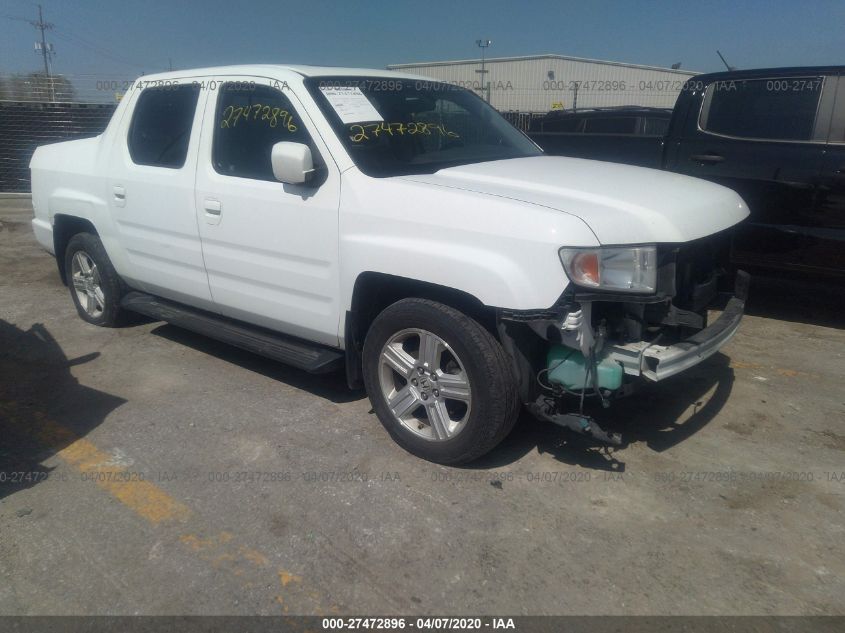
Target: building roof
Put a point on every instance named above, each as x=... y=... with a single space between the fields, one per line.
x=546 y=56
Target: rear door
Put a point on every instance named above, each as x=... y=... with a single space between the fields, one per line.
x=270 y=249
x=151 y=193
x=828 y=251
x=763 y=138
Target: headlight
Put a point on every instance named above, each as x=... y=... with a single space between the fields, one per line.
x=627 y=269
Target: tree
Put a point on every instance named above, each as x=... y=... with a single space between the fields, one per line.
x=36 y=87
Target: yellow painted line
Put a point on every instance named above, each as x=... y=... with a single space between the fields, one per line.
x=789 y=373
x=144 y=498
x=156 y=506
x=286 y=578
x=738 y=364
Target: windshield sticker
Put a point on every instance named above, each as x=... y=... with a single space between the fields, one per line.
x=360 y=133
x=351 y=105
x=258 y=112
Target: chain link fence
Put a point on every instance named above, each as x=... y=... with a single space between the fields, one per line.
x=36 y=110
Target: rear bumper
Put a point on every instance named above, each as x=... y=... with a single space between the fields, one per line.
x=657 y=362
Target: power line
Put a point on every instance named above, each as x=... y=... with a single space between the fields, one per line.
x=42 y=47
x=104 y=52
x=73 y=38
x=14 y=17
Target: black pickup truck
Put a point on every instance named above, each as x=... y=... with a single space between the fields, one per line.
x=776 y=136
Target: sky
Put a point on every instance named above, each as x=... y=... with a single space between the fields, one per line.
x=125 y=39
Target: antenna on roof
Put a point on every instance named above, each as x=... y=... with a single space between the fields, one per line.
x=727 y=65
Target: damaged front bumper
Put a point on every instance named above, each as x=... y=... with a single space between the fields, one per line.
x=656 y=362
x=574 y=353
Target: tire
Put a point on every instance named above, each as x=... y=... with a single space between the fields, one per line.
x=439 y=382
x=96 y=292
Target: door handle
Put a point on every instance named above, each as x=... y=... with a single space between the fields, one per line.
x=119 y=195
x=707 y=158
x=213 y=209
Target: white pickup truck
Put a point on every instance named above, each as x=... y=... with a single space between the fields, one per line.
x=399 y=227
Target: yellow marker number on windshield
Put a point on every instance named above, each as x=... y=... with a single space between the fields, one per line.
x=360 y=132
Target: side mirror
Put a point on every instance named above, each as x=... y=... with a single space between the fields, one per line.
x=292 y=162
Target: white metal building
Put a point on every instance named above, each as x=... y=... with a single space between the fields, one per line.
x=539 y=83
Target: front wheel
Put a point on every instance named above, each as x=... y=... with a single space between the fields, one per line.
x=439 y=382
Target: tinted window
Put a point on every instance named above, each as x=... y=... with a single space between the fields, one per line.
x=161 y=125
x=783 y=108
x=568 y=124
x=655 y=126
x=251 y=119
x=611 y=125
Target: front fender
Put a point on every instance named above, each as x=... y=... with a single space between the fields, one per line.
x=502 y=252
x=494 y=278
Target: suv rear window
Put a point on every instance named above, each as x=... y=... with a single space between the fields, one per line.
x=161 y=125
x=783 y=108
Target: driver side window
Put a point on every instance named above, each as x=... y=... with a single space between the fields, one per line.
x=249 y=120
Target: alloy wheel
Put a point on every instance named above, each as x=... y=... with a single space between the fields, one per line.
x=425 y=384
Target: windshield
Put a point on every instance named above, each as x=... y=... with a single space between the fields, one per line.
x=393 y=127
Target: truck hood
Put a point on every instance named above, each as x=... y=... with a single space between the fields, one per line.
x=621 y=204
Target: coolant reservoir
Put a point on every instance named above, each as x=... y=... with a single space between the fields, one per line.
x=568 y=367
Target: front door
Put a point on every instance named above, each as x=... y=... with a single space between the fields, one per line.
x=270 y=249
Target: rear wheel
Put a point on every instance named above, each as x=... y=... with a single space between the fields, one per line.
x=439 y=382
x=95 y=287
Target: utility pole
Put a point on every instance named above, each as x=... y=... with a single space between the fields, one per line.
x=46 y=50
x=483 y=44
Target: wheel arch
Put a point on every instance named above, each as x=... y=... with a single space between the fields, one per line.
x=374 y=291
x=64 y=228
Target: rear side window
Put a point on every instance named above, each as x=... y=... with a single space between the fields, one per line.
x=774 y=109
x=655 y=126
x=161 y=125
x=611 y=125
x=250 y=119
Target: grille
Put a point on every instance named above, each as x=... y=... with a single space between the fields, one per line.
x=697 y=268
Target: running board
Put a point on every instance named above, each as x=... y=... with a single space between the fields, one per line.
x=311 y=357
